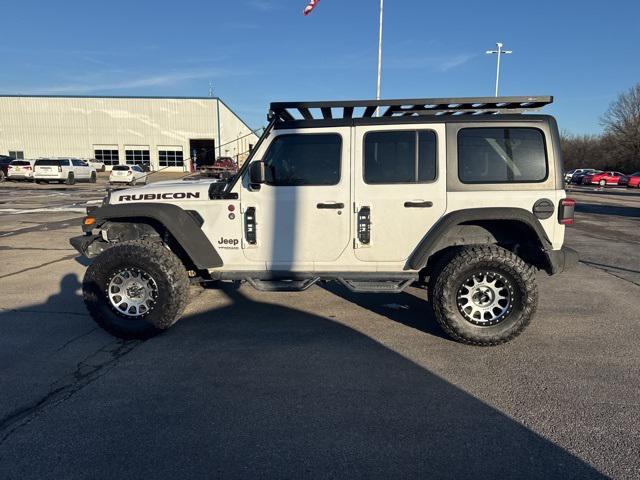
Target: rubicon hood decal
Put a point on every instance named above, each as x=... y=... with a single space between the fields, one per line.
x=158 y=196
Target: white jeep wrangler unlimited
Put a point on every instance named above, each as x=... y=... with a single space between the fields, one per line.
x=465 y=195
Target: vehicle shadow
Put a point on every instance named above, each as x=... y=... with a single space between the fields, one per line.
x=250 y=389
x=404 y=308
x=618 y=211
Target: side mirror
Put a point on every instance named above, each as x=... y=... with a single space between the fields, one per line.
x=257 y=173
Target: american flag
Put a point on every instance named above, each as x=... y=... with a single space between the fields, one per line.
x=310 y=7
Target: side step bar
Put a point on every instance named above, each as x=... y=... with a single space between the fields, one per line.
x=390 y=283
x=377 y=286
x=284 y=285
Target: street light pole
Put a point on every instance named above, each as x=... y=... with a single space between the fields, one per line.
x=380 y=51
x=499 y=52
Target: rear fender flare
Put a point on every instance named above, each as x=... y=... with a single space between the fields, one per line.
x=432 y=241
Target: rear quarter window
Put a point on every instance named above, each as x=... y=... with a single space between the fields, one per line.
x=502 y=155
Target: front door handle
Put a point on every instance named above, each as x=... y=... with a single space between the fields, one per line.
x=418 y=204
x=330 y=205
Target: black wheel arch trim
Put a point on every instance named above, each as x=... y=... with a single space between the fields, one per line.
x=181 y=225
x=429 y=243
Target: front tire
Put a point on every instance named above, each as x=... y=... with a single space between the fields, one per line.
x=93 y=178
x=603 y=183
x=485 y=295
x=136 y=289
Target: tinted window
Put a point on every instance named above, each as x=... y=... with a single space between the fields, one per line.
x=294 y=160
x=501 y=155
x=120 y=167
x=48 y=163
x=22 y=163
x=78 y=163
x=400 y=157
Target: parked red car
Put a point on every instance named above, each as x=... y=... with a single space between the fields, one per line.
x=606 y=178
x=633 y=180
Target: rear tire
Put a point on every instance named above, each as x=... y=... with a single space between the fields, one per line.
x=71 y=179
x=93 y=178
x=2 y=176
x=603 y=183
x=154 y=270
x=484 y=296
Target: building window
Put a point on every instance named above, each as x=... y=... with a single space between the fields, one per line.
x=17 y=155
x=108 y=157
x=501 y=155
x=400 y=156
x=170 y=158
x=138 y=157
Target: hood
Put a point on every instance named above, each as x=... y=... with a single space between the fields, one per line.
x=171 y=191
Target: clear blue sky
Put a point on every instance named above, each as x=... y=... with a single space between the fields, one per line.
x=256 y=51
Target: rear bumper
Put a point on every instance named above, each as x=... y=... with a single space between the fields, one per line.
x=56 y=176
x=562 y=260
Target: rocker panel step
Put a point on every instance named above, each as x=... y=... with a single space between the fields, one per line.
x=377 y=286
x=284 y=285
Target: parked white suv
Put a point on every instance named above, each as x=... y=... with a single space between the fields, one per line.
x=67 y=170
x=462 y=195
x=129 y=174
x=20 y=170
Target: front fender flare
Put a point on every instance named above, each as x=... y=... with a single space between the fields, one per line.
x=182 y=226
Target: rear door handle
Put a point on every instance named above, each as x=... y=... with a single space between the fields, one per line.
x=330 y=205
x=418 y=204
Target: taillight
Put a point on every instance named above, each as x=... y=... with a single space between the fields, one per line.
x=566 y=211
x=59 y=168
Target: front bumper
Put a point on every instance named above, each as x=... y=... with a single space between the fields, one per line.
x=562 y=260
x=89 y=245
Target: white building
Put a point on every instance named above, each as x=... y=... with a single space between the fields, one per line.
x=161 y=132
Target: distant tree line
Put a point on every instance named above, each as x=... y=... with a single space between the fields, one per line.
x=618 y=147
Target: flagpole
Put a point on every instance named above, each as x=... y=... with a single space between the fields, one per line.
x=380 y=51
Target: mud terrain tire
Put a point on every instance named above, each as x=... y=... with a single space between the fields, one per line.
x=170 y=282
x=475 y=265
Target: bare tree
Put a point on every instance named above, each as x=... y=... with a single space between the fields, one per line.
x=621 y=124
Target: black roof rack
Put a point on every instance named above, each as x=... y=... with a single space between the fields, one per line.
x=415 y=107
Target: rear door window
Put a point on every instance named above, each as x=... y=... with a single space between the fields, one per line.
x=400 y=156
x=501 y=155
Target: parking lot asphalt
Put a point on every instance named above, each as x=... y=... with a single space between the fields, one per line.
x=319 y=384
